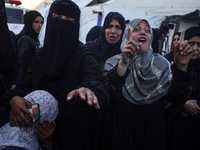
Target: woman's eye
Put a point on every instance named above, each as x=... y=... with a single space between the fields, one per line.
x=136 y=29
x=191 y=43
x=148 y=31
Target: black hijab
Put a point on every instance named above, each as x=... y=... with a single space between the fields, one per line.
x=29 y=18
x=101 y=48
x=7 y=53
x=189 y=33
x=61 y=40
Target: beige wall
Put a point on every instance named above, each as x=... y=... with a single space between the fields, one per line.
x=35 y=4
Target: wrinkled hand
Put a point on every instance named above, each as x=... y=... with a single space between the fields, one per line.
x=130 y=49
x=86 y=95
x=182 y=52
x=19 y=111
x=44 y=132
x=192 y=107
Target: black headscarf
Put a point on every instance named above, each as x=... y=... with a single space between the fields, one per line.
x=7 y=53
x=29 y=18
x=101 y=48
x=61 y=39
x=189 y=33
x=94 y=33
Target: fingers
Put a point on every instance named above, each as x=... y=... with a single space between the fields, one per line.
x=71 y=95
x=182 y=36
x=45 y=129
x=85 y=94
x=129 y=34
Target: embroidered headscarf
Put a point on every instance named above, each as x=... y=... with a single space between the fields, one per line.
x=150 y=74
x=25 y=137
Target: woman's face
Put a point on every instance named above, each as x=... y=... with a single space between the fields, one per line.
x=142 y=34
x=37 y=24
x=194 y=42
x=176 y=39
x=113 y=32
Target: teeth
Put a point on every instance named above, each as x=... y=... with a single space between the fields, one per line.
x=142 y=39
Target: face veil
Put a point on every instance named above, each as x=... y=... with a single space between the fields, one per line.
x=61 y=39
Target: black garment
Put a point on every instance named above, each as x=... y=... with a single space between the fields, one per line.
x=169 y=56
x=94 y=33
x=100 y=47
x=62 y=66
x=184 y=132
x=7 y=54
x=139 y=127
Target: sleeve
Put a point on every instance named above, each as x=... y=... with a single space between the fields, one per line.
x=180 y=89
x=92 y=78
x=24 y=43
x=21 y=90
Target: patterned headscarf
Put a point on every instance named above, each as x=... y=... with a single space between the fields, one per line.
x=150 y=74
x=25 y=137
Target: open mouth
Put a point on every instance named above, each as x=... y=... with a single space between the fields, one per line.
x=112 y=38
x=142 y=40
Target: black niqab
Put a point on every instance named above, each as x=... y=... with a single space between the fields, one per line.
x=60 y=46
x=101 y=48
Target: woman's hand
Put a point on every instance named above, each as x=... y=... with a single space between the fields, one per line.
x=86 y=95
x=44 y=132
x=20 y=112
x=182 y=53
x=129 y=51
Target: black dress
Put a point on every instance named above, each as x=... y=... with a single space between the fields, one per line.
x=139 y=127
x=184 y=132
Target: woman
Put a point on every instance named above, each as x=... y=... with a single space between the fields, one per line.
x=170 y=56
x=27 y=41
x=183 y=120
x=28 y=37
x=108 y=43
x=139 y=80
x=38 y=136
x=67 y=71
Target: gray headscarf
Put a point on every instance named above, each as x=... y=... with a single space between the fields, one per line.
x=25 y=137
x=150 y=74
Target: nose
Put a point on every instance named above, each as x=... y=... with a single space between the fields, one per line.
x=195 y=46
x=142 y=32
x=113 y=30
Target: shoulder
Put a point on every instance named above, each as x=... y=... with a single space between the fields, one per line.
x=159 y=59
x=112 y=61
x=26 y=38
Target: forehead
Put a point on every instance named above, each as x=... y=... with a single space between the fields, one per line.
x=114 y=21
x=195 y=38
x=143 y=23
x=39 y=18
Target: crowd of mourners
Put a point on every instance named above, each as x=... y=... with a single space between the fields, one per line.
x=112 y=93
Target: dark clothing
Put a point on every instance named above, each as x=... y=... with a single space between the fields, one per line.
x=169 y=56
x=12 y=76
x=184 y=132
x=25 y=43
x=28 y=38
x=127 y=123
x=7 y=53
x=100 y=47
x=86 y=74
x=94 y=33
